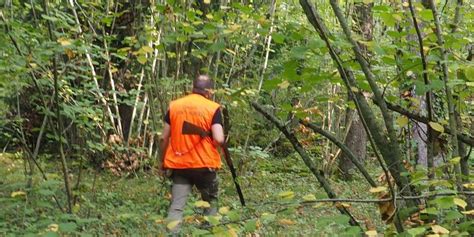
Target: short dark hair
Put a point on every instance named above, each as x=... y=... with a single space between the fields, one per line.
x=202 y=83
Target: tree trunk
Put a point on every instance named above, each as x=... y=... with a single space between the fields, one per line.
x=386 y=142
x=356 y=138
x=356 y=141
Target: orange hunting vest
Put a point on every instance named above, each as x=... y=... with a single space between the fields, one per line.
x=191 y=151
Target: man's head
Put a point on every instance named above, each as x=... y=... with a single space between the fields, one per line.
x=203 y=85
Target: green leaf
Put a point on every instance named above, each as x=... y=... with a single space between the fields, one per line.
x=431 y=211
x=213 y=220
x=351 y=105
x=416 y=231
x=271 y=84
x=142 y=59
x=284 y=84
x=316 y=43
x=298 y=52
x=251 y=225
x=278 y=38
x=455 y=160
x=217 y=46
x=289 y=71
x=381 y=8
x=268 y=217
x=352 y=231
x=233 y=216
x=200 y=232
x=444 y=202
x=50 y=18
x=296 y=36
x=147 y=49
x=437 y=127
x=67 y=227
x=107 y=20
x=388 y=18
x=469 y=73
x=402 y=121
x=453 y=215
x=426 y=15
x=309 y=197
x=50 y=234
x=437 y=84
x=341 y=219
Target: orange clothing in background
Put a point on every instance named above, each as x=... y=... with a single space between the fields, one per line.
x=191 y=151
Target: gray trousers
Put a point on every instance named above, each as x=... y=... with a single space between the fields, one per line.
x=205 y=181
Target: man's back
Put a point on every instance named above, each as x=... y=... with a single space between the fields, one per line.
x=191 y=151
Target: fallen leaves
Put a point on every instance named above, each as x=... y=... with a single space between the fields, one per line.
x=371 y=233
x=286 y=222
x=437 y=229
x=386 y=209
x=172 y=225
x=470 y=212
x=460 y=203
x=286 y=195
x=18 y=193
x=53 y=227
x=378 y=189
x=64 y=41
x=224 y=210
x=309 y=197
x=202 y=204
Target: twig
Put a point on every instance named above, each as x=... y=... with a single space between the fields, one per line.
x=428 y=94
x=137 y=99
x=91 y=65
x=457 y=15
x=467 y=139
x=112 y=86
x=59 y=118
x=267 y=47
x=305 y=157
x=356 y=200
x=344 y=149
x=359 y=100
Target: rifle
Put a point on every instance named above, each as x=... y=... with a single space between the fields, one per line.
x=191 y=129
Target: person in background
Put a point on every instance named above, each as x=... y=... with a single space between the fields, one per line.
x=192 y=159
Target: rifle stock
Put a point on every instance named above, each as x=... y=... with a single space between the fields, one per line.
x=191 y=129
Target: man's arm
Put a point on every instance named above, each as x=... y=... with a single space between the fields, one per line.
x=217 y=129
x=164 y=141
x=218 y=133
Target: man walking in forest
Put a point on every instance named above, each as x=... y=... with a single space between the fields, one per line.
x=192 y=158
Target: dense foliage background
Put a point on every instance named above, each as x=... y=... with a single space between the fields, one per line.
x=344 y=117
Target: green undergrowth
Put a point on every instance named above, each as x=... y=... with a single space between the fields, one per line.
x=278 y=194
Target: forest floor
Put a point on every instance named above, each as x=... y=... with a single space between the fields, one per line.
x=136 y=205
